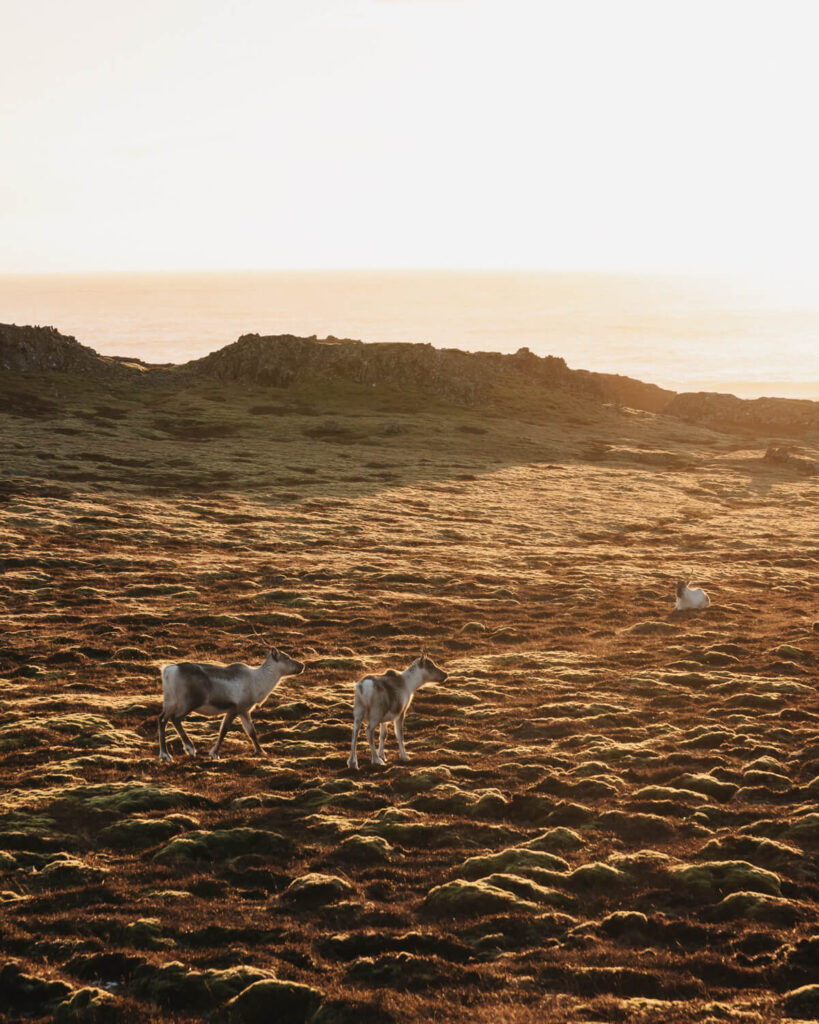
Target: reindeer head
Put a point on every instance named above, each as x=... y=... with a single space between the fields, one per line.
x=289 y=666
x=432 y=674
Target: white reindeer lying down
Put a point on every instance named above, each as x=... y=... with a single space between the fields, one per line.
x=228 y=690
x=690 y=598
x=383 y=699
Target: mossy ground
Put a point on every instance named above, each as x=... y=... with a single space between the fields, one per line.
x=620 y=766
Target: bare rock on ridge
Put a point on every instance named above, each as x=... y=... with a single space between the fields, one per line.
x=772 y=416
x=40 y=349
x=464 y=377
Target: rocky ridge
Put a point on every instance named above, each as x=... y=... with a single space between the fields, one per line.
x=729 y=413
x=464 y=378
x=40 y=349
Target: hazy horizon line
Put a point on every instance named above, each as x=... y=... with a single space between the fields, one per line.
x=466 y=269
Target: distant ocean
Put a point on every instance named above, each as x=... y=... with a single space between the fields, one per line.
x=682 y=333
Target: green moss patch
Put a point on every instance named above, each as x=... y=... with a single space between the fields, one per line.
x=805 y=829
x=766 y=853
x=689 y=797
x=491 y=803
x=285 y=1002
x=364 y=849
x=624 y=924
x=555 y=840
x=317 y=890
x=597 y=874
x=176 y=987
x=226 y=984
x=708 y=785
x=222 y=844
x=714 y=878
x=529 y=890
x=531 y=809
x=421 y=780
x=133 y=797
x=791 y=653
x=774 y=781
x=636 y=827
x=567 y=813
x=30 y=830
x=755 y=906
x=146 y=933
x=141 y=833
x=515 y=860
x=69 y=872
x=88 y=1006
x=462 y=898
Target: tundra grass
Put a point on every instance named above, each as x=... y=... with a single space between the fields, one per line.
x=611 y=811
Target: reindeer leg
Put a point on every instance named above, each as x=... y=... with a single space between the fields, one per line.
x=250 y=729
x=382 y=739
x=376 y=757
x=399 y=735
x=163 y=750
x=352 y=760
x=214 y=750
x=186 y=740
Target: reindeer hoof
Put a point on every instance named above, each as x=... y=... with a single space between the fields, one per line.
x=352 y=764
x=403 y=757
x=379 y=761
x=166 y=757
x=213 y=755
x=190 y=751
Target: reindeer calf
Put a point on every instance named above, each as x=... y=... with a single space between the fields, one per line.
x=384 y=699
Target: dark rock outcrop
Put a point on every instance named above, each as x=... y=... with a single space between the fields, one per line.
x=463 y=377
x=770 y=416
x=39 y=349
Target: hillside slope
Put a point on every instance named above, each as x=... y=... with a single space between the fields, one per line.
x=412 y=372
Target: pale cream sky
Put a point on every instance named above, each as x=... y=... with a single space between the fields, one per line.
x=602 y=134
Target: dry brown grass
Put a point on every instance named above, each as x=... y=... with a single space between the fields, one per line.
x=524 y=557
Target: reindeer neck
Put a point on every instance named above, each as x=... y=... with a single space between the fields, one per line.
x=413 y=677
x=265 y=678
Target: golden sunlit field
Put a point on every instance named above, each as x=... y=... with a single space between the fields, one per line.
x=611 y=811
